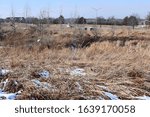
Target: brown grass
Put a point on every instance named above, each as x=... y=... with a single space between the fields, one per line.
x=124 y=71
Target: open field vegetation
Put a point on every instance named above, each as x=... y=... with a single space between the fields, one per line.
x=72 y=63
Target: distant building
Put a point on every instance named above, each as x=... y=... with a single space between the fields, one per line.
x=90 y=21
x=143 y=24
x=16 y=19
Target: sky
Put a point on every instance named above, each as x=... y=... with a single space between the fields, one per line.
x=76 y=8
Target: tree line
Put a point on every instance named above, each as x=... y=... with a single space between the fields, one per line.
x=132 y=20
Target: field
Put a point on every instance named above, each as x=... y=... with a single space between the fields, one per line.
x=57 y=62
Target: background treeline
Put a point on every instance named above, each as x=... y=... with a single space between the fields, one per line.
x=132 y=20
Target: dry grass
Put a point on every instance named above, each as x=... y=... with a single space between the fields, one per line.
x=123 y=71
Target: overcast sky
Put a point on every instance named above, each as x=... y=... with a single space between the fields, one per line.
x=117 y=8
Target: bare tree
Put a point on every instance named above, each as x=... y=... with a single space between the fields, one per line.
x=13 y=25
x=42 y=20
x=27 y=9
x=133 y=21
x=61 y=18
x=125 y=21
x=48 y=17
x=74 y=37
x=81 y=20
x=101 y=21
x=148 y=19
x=112 y=22
x=0 y=30
x=0 y=26
x=96 y=31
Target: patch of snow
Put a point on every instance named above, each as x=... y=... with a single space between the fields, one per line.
x=4 y=72
x=103 y=87
x=19 y=92
x=78 y=72
x=4 y=83
x=9 y=96
x=143 y=98
x=42 y=84
x=36 y=82
x=79 y=86
x=47 y=86
x=67 y=70
x=1 y=91
x=101 y=98
x=111 y=96
x=44 y=74
x=38 y=40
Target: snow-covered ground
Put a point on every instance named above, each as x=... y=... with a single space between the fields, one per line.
x=7 y=96
x=111 y=96
x=44 y=74
x=143 y=97
x=45 y=85
x=4 y=72
x=4 y=95
x=78 y=72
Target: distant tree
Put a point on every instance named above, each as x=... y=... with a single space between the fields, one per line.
x=101 y=20
x=43 y=17
x=125 y=20
x=0 y=26
x=26 y=14
x=80 y=20
x=56 y=21
x=50 y=20
x=41 y=21
x=61 y=19
x=111 y=20
x=133 y=21
x=48 y=17
x=148 y=19
x=13 y=24
x=34 y=20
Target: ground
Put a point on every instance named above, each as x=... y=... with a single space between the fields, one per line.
x=71 y=63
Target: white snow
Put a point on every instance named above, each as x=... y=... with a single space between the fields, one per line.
x=143 y=97
x=79 y=86
x=78 y=72
x=42 y=84
x=6 y=95
x=37 y=82
x=48 y=86
x=111 y=96
x=9 y=96
x=101 y=98
x=44 y=74
x=4 y=72
x=4 y=84
x=38 y=40
x=103 y=87
x=75 y=71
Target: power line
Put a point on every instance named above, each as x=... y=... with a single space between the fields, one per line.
x=96 y=11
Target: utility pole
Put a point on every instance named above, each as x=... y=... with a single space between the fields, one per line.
x=26 y=14
x=61 y=14
x=13 y=20
x=48 y=17
x=96 y=12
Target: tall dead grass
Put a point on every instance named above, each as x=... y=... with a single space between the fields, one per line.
x=123 y=71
